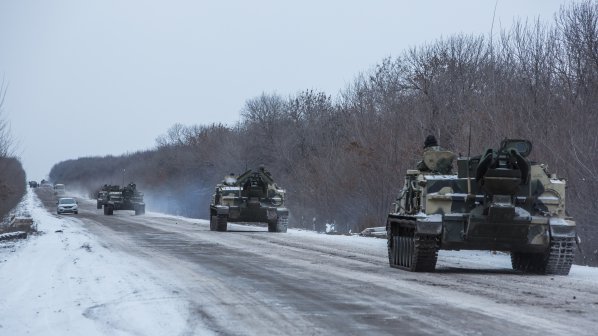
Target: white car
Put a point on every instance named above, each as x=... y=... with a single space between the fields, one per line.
x=67 y=205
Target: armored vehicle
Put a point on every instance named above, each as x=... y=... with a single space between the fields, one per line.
x=102 y=196
x=251 y=197
x=497 y=201
x=127 y=198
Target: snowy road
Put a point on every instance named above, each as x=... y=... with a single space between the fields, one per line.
x=164 y=275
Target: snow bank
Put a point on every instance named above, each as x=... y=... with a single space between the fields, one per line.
x=66 y=282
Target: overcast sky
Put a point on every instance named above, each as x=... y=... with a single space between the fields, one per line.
x=91 y=77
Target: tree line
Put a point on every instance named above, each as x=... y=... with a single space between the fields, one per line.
x=342 y=159
x=12 y=175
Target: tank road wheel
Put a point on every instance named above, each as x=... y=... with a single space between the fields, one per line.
x=409 y=250
x=557 y=260
x=280 y=224
x=221 y=223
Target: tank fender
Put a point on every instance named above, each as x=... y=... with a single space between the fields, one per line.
x=560 y=227
x=221 y=210
x=430 y=225
x=281 y=212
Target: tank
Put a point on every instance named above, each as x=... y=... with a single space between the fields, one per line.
x=250 y=197
x=102 y=194
x=126 y=198
x=497 y=201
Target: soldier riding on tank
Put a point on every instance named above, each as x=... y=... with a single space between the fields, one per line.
x=435 y=159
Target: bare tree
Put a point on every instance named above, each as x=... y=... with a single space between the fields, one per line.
x=6 y=140
x=343 y=159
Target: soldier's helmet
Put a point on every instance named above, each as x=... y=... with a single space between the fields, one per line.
x=430 y=141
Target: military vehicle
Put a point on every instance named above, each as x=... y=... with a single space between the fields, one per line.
x=102 y=195
x=497 y=201
x=251 y=197
x=127 y=198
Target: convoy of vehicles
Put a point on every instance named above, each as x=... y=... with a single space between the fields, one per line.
x=498 y=201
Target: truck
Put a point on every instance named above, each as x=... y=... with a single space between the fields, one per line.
x=59 y=189
x=126 y=198
x=498 y=201
x=250 y=197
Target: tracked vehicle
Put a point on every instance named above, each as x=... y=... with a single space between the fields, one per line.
x=497 y=201
x=251 y=197
x=127 y=198
x=102 y=196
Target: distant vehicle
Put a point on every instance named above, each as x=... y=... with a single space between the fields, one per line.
x=127 y=198
x=251 y=197
x=33 y=184
x=102 y=196
x=59 y=189
x=67 y=205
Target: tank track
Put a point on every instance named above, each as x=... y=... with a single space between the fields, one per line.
x=222 y=223
x=283 y=224
x=279 y=225
x=556 y=261
x=108 y=210
x=219 y=223
x=409 y=250
x=561 y=255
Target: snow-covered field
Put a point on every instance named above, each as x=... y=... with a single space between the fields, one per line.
x=82 y=275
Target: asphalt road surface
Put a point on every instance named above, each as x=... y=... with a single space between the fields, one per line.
x=251 y=282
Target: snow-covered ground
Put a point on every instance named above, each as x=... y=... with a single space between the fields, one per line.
x=81 y=276
x=64 y=281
